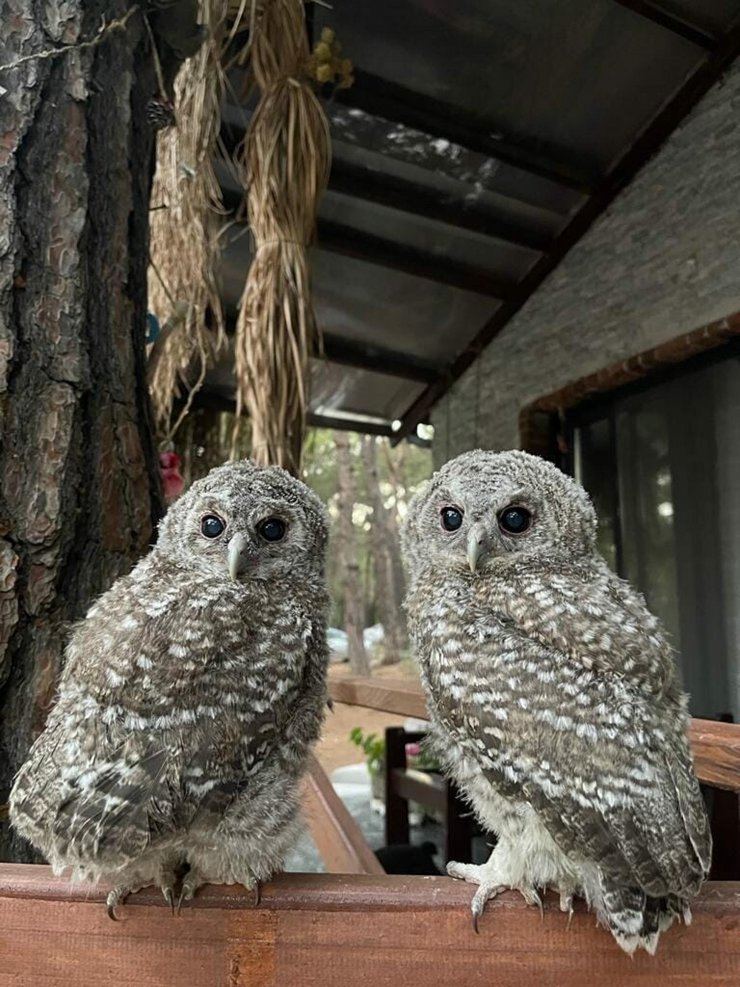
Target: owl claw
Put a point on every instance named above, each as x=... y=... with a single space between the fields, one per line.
x=169 y=897
x=115 y=898
x=257 y=892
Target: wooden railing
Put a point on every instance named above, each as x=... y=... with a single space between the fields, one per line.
x=314 y=930
x=715 y=746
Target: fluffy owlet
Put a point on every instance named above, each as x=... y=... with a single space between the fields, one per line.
x=190 y=696
x=554 y=697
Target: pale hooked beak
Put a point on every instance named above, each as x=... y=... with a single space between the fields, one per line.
x=237 y=551
x=477 y=542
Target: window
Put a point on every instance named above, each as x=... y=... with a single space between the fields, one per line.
x=662 y=465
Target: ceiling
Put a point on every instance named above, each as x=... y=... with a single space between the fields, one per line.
x=479 y=141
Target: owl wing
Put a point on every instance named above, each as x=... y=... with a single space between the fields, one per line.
x=604 y=762
x=110 y=807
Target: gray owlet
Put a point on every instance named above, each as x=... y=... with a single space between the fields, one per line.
x=554 y=697
x=190 y=696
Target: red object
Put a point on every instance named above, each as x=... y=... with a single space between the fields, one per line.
x=169 y=464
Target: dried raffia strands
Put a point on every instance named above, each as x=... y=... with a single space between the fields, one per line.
x=287 y=161
x=184 y=238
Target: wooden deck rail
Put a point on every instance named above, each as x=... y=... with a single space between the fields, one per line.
x=337 y=836
x=331 y=931
x=715 y=745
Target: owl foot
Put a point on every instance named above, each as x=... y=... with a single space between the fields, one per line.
x=489 y=885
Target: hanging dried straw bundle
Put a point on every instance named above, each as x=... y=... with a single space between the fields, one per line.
x=287 y=158
x=184 y=237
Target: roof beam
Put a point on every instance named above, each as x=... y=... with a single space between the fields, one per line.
x=648 y=142
x=376 y=359
x=674 y=23
x=395 y=192
x=391 y=101
x=219 y=401
x=419 y=200
x=350 y=242
x=364 y=355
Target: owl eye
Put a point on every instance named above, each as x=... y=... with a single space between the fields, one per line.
x=452 y=518
x=211 y=525
x=515 y=520
x=272 y=529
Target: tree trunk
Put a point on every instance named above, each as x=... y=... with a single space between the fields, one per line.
x=383 y=546
x=354 y=610
x=80 y=489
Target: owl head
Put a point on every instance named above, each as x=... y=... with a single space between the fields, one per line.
x=246 y=522
x=486 y=506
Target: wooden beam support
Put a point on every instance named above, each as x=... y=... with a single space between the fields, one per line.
x=337 y=836
x=350 y=242
x=673 y=22
x=391 y=101
x=376 y=359
x=651 y=138
x=322 y=930
x=406 y=196
x=715 y=745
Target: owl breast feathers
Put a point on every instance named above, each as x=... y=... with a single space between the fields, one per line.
x=554 y=697
x=190 y=697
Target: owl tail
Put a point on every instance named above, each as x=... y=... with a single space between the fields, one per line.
x=636 y=920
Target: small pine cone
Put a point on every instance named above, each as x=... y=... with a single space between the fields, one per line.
x=160 y=113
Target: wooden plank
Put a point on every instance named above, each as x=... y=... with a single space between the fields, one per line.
x=715 y=746
x=317 y=930
x=682 y=27
x=402 y=696
x=338 y=838
x=716 y=750
x=417 y=786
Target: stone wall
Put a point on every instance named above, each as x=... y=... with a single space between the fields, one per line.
x=663 y=260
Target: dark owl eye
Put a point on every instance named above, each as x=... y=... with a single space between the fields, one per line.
x=515 y=520
x=272 y=529
x=452 y=518
x=211 y=525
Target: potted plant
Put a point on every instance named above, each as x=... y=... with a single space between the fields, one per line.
x=373 y=747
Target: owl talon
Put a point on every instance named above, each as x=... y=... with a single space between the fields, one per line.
x=115 y=898
x=169 y=897
x=257 y=893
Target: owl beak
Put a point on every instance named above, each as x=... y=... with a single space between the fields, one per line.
x=237 y=554
x=477 y=540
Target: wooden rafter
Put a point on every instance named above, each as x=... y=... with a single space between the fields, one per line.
x=391 y=101
x=682 y=27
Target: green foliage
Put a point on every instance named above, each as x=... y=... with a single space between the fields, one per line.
x=372 y=746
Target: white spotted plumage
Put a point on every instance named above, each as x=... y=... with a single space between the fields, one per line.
x=554 y=698
x=189 y=699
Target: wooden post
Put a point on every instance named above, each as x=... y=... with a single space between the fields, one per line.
x=396 y=807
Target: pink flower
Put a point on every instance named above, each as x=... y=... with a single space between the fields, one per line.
x=413 y=750
x=172 y=481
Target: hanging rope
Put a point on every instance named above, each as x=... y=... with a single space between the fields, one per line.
x=287 y=160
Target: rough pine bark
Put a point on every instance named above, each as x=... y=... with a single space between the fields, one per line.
x=354 y=609
x=384 y=537
x=79 y=486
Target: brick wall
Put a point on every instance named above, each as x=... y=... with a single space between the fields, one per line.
x=663 y=260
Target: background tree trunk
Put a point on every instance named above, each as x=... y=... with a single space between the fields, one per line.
x=383 y=547
x=80 y=488
x=354 y=610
